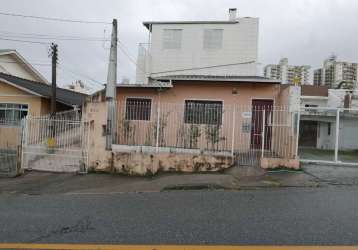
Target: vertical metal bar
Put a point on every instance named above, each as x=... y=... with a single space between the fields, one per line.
x=337 y=137
x=297 y=131
x=158 y=124
x=263 y=133
x=233 y=130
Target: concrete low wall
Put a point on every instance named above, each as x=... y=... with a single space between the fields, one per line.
x=271 y=163
x=146 y=163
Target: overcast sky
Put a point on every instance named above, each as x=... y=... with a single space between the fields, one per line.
x=305 y=31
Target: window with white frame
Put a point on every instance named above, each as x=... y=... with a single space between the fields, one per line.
x=213 y=39
x=172 y=38
x=203 y=112
x=12 y=113
x=138 y=109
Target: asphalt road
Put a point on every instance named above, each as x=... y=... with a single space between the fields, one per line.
x=276 y=216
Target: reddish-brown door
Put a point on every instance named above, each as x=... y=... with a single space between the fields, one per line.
x=258 y=108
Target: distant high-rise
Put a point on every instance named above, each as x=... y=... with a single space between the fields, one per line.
x=288 y=74
x=335 y=74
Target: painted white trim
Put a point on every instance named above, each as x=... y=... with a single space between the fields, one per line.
x=314 y=97
x=139 y=97
x=18 y=103
x=26 y=64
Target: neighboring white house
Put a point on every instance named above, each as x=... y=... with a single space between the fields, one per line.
x=227 y=47
x=79 y=86
x=12 y=63
x=318 y=118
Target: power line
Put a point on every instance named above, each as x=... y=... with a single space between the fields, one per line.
x=47 y=35
x=126 y=53
x=205 y=67
x=53 y=18
x=24 y=41
x=79 y=74
x=58 y=38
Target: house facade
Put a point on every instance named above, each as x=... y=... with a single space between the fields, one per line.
x=228 y=47
x=20 y=97
x=196 y=123
x=320 y=107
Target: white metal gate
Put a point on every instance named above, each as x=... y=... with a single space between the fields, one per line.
x=55 y=145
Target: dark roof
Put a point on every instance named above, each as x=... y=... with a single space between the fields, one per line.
x=228 y=78
x=64 y=96
x=312 y=90
x=148 y=23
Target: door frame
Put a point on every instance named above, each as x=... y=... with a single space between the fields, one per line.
x=268 y=130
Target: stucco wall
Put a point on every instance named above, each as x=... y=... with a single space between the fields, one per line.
x=95 y=113
x=172 y=104
x=239 y=45
x=10 y=94
x=140 y=162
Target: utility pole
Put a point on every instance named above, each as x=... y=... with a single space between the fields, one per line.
x=54 y=55
x=111 y=87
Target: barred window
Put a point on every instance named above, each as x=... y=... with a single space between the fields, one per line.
x=213 y=39
x=203 y=112
x=172 y=38
x=12 y=113
x=138 y=109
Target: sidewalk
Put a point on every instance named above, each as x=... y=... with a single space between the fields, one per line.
x=37 y=183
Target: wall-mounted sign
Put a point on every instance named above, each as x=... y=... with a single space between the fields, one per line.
x=246 y=127
x=246 y=115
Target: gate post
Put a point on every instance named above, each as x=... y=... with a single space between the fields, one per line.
x=23 y=141
x=336 y=146
x=233 y=130
x=298 y=131
x=157 y=129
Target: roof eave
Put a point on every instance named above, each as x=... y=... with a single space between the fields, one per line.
x=148 y=24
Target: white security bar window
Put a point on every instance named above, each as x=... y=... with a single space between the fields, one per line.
x=172 y=38
x=213 y=39
x=12 y=113
x=138 y=109
x=203 y=112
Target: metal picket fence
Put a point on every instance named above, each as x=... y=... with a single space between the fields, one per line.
x=248 y=133
x=10 y=147
x=56 y=145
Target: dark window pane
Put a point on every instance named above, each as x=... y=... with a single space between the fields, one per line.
x=203 y=112
x=138 y=109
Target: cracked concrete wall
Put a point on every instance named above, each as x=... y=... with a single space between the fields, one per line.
x=140 y=163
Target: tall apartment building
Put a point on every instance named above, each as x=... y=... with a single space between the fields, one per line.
x=225 y=48
x=287 y=73
x=336 y=74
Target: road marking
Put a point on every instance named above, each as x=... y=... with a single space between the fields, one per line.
x=162 y=247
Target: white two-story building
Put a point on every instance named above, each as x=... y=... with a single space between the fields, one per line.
x=224 y=48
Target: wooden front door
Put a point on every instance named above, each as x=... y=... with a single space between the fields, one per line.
x=258 y=108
